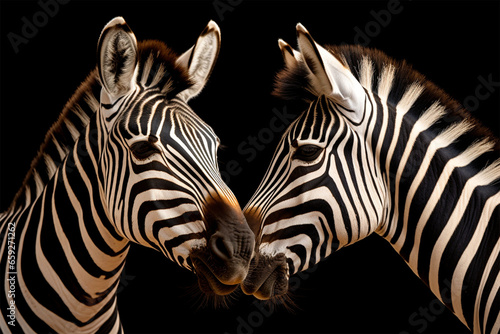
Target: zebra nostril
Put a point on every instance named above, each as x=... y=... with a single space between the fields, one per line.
x=220 y=247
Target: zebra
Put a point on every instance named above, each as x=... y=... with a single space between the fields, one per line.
x=379 y=149
x=127 y=161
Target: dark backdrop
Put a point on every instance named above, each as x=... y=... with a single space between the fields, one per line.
x=364 y=288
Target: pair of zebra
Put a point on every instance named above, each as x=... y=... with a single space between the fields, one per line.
x=378 y=148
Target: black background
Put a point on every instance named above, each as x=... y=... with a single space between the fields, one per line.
x=364 y=288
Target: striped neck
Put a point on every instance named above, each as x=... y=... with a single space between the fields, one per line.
x=70 y=256
x=442 y=200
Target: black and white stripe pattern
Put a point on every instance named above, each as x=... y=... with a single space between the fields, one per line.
x=380 y=150
x=128 y=161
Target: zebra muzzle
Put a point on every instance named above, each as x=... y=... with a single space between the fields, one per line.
x=225 y=260
x=208 y=282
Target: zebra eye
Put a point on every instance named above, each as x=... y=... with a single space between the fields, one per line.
x=307 y=152
x=143 y=150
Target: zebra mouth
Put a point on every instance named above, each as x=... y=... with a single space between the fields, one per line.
x=208 y=281
x=268 y=278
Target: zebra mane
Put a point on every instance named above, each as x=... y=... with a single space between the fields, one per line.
x=292 y=84
x=157 y=68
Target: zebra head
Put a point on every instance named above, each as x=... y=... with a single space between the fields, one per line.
x=159 y=172
x=309 y=202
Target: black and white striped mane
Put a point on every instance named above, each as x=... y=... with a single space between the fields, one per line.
x=157 y=68
x=292 y=84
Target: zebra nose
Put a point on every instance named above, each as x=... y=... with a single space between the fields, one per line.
x=221 y=246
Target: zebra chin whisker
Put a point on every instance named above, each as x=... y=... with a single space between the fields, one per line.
x=201 y=300
x=197 y=300
x=286 y=301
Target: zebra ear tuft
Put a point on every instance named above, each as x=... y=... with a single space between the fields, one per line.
x=117 y=58
x=329 y=76
x=200 y=59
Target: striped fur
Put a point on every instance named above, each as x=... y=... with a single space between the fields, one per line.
x=411 y=165
x=131 y=164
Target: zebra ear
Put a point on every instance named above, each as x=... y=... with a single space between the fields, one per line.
x=200 y=59
x=290 y=56
x=330 y=77
x=117 y=58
